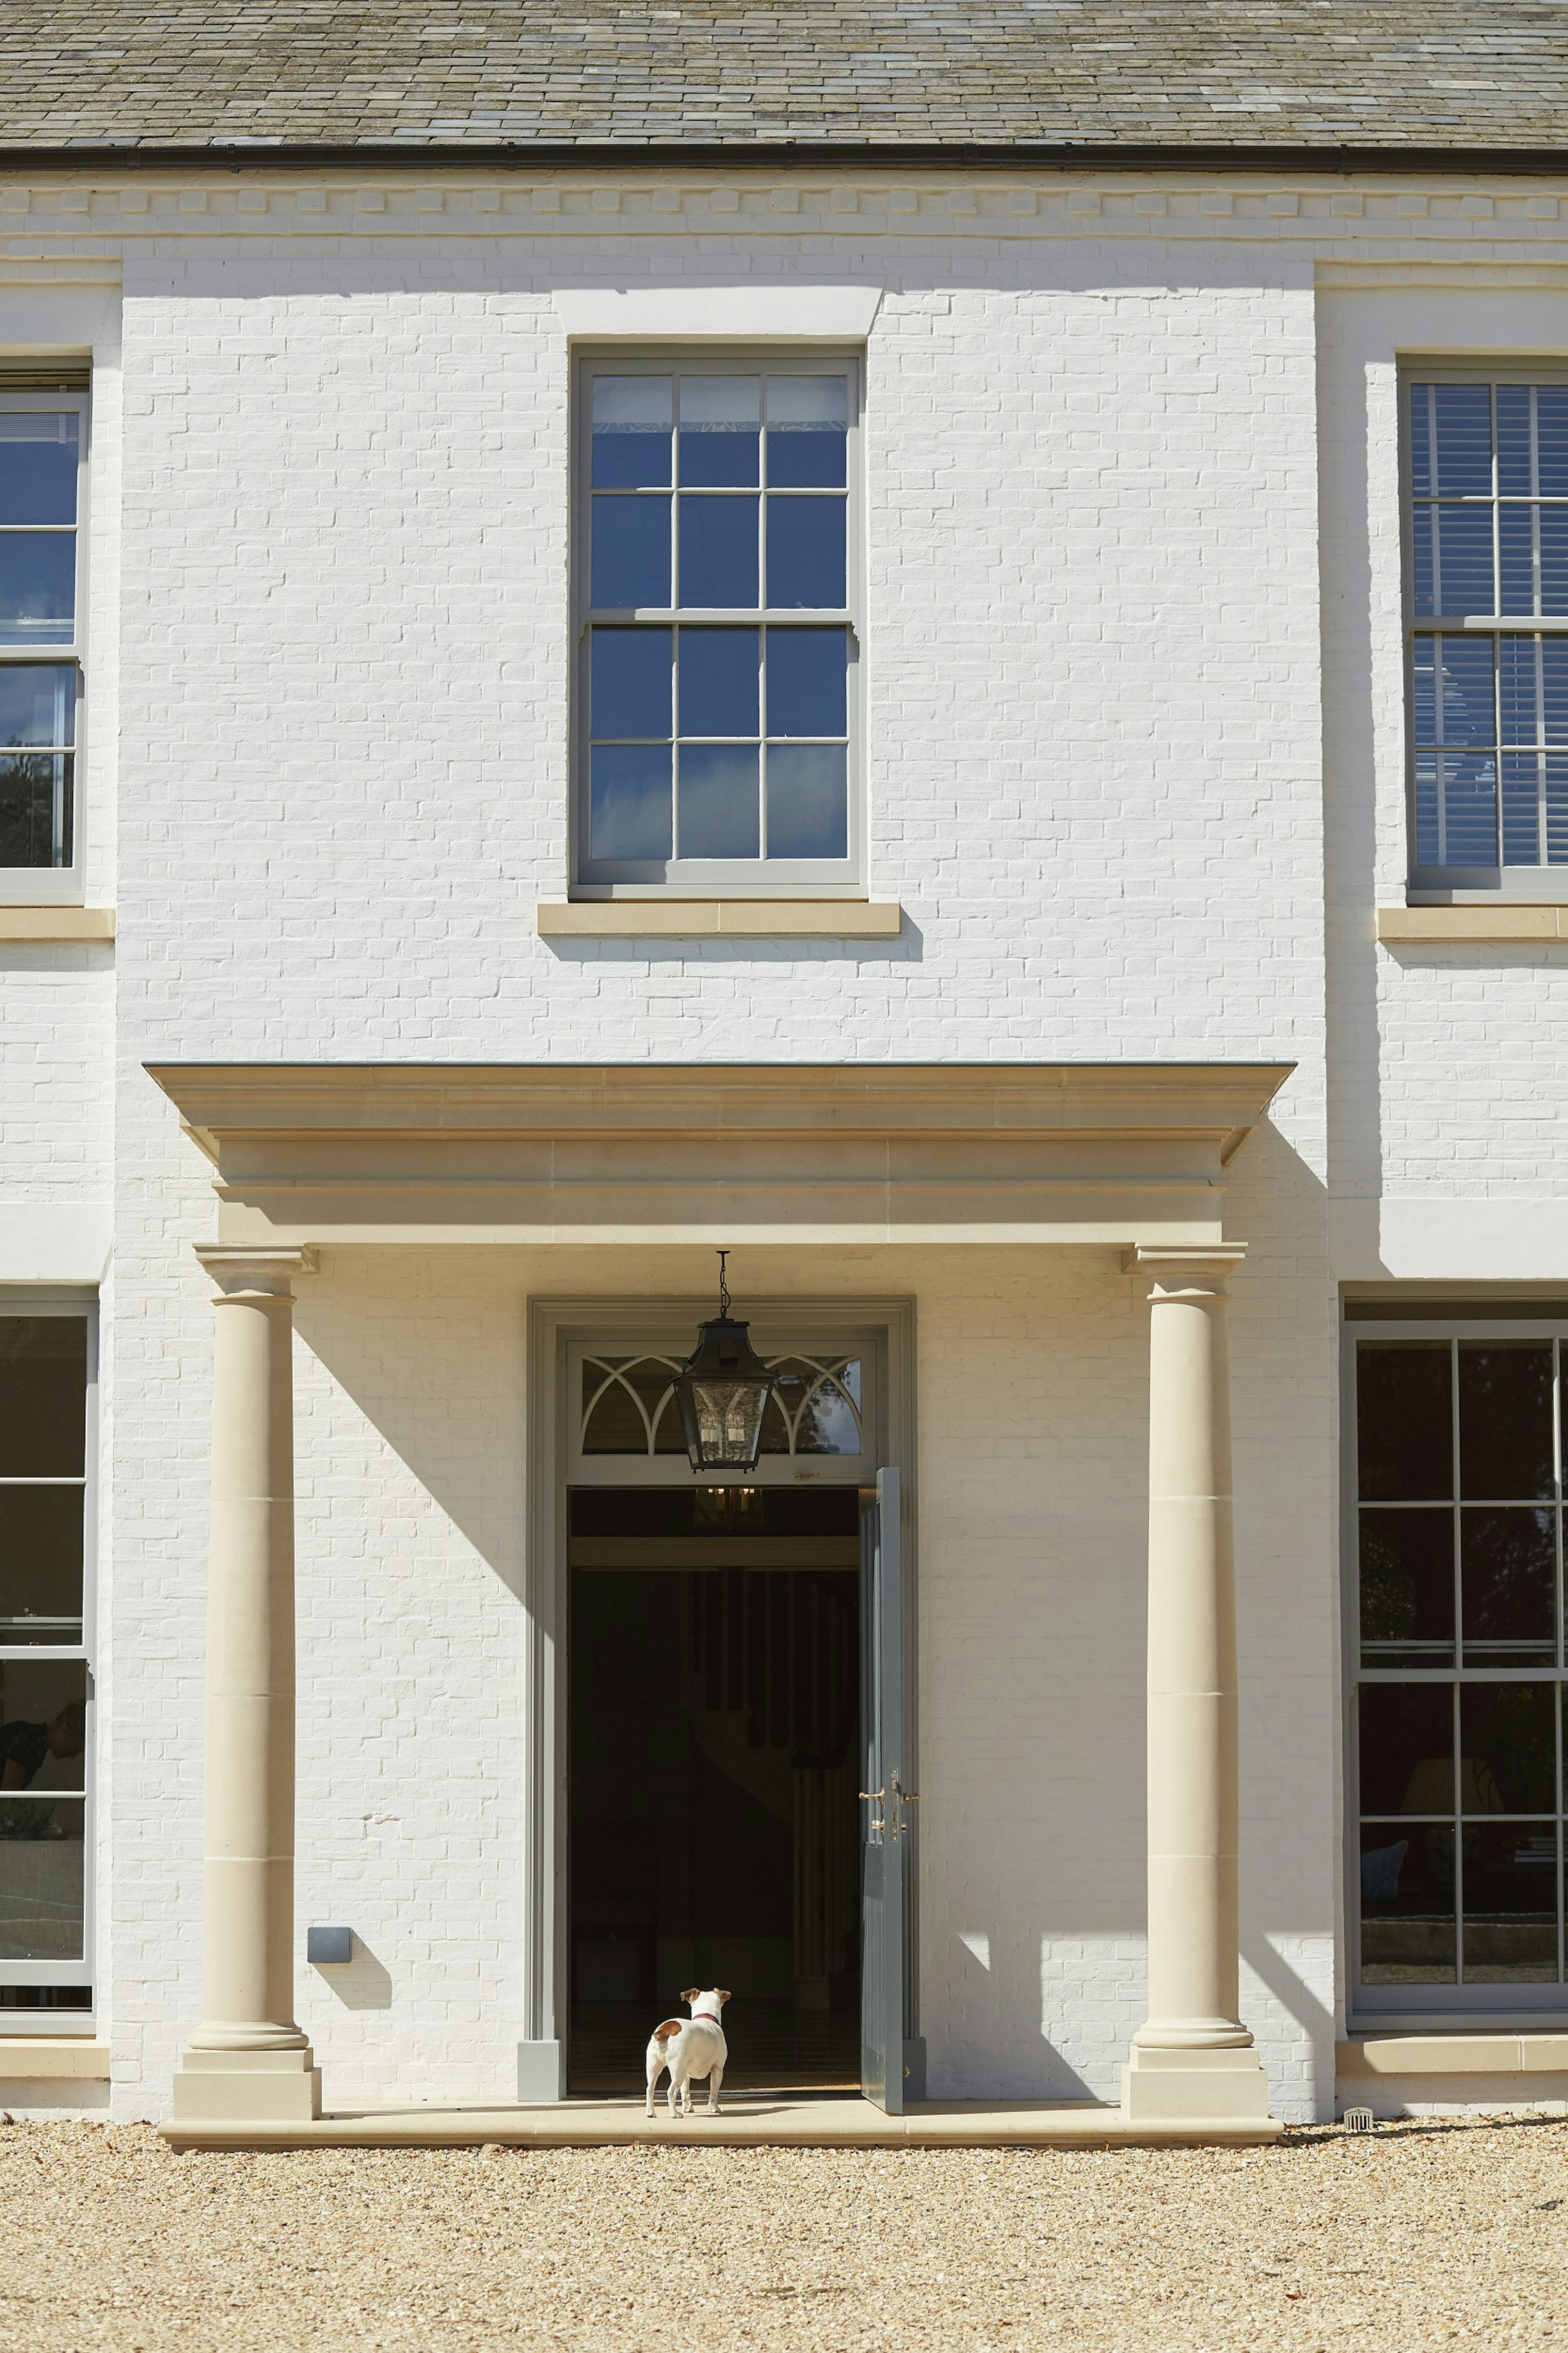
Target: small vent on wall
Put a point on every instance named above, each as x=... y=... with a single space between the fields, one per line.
x=37 y=375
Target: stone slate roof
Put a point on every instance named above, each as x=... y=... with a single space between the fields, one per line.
x=1384 y=75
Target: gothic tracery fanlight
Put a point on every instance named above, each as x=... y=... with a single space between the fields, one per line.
x=722 y=1392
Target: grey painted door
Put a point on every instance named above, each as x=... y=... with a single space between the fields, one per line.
x=884 y=1820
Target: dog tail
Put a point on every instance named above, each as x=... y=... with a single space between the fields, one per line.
x=671 y=2026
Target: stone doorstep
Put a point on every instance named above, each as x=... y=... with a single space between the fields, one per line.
x=806 y=2123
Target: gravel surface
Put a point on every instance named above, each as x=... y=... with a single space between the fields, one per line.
x=1424 y=2234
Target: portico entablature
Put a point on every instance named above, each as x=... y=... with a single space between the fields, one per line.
x=1070 y=1154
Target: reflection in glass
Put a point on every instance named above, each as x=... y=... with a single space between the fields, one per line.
x=626 y=1398
x=807 y=425
x=37 y=587
x=719 y=681
x=720 y=814
x=43 y=1724
x=1508 y=1736
x=1532 y=439
x=807 y=682
x=43 y=1396
x=42 y=1879
x=1453 y=691
x=1457 y=809
x=814 y=1408
x=38 y=467
x=630 y=791
x=1406 y=1587
x=629 y=686
x=1505 y=1419
x=806 y=553
x=1451 y=439
x=808 y=800
x=720 y=425
x=632 y=417
x=719 y=551
x=1452 y=546
x=40 y=1563
x=36 y=808
x=37 y=704
x=1406 y=1748
x=1508 y=1581
x=1407 y=1903
x=1511 y=1904
x=1403 y=1421
x=630 y=554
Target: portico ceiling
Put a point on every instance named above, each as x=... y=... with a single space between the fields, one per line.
x=1110 y=1153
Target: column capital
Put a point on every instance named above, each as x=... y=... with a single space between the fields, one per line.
x=1172 y=1266
x=268 y=1268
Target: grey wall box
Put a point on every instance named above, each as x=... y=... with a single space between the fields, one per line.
x=325 y=1945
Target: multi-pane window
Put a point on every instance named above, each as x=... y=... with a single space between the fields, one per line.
x=718 y=643
x=40 y=473
x=1459 y=1667
x=1488 y=521
x=45 y=1692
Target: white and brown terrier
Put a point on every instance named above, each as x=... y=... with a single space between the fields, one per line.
x=688 y=2047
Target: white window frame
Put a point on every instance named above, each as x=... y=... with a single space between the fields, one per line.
x=41 y=886
x=1461 y=885
x=83 y=1307
x=1381 y=2008
x=752 y=878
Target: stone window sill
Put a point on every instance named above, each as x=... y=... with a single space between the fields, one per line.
x=733 y=919
x=1453 y=2054
x=53 y=924
x=1489 y=926
x=25 y=2057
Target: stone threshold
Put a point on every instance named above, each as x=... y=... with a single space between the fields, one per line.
x=756 y=2122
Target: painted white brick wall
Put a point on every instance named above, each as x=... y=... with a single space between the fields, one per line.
x=1100 y=742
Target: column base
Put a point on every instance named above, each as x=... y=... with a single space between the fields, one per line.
x=274 y=2087
x=1180 y=2087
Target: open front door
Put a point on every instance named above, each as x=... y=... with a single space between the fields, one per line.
x=885 y=1799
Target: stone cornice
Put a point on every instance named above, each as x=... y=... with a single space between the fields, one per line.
x=1109 y=1152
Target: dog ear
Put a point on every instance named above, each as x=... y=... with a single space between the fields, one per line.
x=691 y=1993
x=723 y=1994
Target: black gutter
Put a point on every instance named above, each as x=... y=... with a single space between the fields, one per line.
x=785 y=155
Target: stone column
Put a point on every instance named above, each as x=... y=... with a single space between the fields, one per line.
x=1193 y=2059
x=247 y=2060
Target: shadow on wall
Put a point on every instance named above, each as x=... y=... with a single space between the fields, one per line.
x=361 y=1983
x=433 y=1363
x=999 y=1983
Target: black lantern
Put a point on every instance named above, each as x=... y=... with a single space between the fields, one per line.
x=723 y=1392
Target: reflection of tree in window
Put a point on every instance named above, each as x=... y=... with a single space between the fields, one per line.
x=1388 y=1591
x=1515 y=1739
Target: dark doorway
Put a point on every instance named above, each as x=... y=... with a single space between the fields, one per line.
x=713 y=1820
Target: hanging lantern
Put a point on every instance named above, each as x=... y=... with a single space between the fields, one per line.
x=722 y=1392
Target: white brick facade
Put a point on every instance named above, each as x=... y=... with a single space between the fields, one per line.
x=1135 y=755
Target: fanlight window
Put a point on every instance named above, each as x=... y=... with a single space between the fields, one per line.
x=628 y=1405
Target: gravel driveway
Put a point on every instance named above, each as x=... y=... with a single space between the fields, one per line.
x=1426 y=2234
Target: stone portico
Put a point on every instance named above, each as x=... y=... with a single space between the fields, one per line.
x=1131 y=1160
